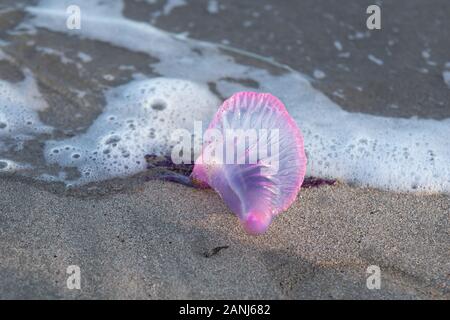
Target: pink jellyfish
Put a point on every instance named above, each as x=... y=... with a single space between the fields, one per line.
x=264 y=179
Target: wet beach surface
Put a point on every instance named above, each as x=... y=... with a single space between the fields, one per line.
x=333 y=38
x=163 y=240
x=135 y=238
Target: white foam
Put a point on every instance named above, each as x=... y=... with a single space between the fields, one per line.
x=446 y=77
x=213 y=6
x=338 y=45
x=319 y=74
x=172 y=4
x=359 y=35
x=375 y=60
x=3 y=56
x=426 y=54
x=84 y=57
x=138 y=119
x=19 y=107
x=344 y=55
x=50 y=51
x=390 y=153
x=9 y=166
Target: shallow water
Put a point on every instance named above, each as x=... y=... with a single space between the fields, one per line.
x=96 y=88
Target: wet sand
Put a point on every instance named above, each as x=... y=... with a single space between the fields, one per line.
x=162 y=240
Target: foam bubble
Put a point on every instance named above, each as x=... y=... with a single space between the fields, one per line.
x=10 y=166
x=319 y=74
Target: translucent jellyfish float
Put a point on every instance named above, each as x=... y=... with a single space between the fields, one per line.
x=253 y=156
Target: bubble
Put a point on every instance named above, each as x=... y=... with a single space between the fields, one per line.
x=113 y=140
x=158 y=105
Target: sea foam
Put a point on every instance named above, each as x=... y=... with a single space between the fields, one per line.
x=138 y=119
x=19 y=106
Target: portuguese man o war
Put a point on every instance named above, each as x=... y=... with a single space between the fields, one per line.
x=263 y=180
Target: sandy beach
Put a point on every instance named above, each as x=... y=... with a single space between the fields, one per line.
x=156 y=240
x=139 y=238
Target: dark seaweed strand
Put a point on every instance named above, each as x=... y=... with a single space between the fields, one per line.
x=312 y=182
x=180 y=173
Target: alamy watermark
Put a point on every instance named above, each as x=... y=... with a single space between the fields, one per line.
x=73 y=21
x=74 y=279
x=230 y=146
x=373 y=281
x=374 y=20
